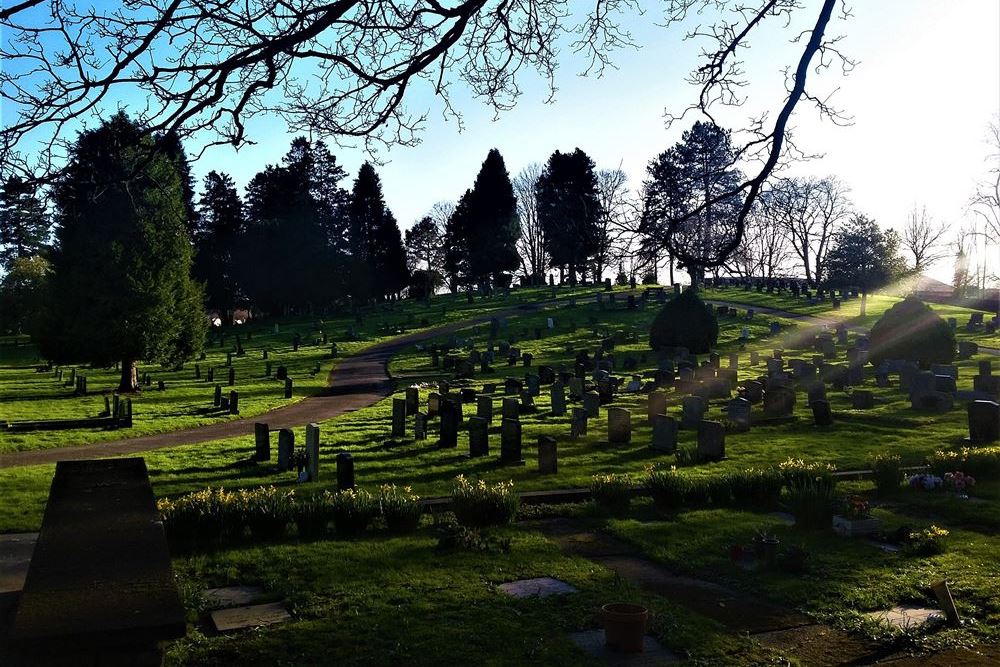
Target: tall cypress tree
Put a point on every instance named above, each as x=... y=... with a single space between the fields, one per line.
x=220 y=222
x=492 y=226
x=121 y=288
x=569 y=209
x=378 y=258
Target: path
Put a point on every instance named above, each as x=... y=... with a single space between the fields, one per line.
x=356 y=382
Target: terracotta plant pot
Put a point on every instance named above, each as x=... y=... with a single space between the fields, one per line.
x=624 y=626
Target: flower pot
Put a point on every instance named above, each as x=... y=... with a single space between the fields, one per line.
x=766 y=549
x=624 y=626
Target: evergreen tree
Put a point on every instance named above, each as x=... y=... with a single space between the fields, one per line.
x=864 y=257
x=24 y=223
x=424 y=245
x=170 y=143
x=691 y=174
x=22 y=294
x=456 y=253
x=569 y=210
x=220 y=223
x=378 y=259
x=491 y=225
x=120 y=288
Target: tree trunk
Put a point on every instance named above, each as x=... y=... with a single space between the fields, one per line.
x=129 y=383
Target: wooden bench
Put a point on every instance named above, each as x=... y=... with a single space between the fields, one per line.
x=99 y=589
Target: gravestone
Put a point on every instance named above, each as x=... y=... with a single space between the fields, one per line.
x=779 y=401
x=862 y=400
x=412 y=400
x=816 y=392
x=945 y=383
x=548 y=462
x=433 y=404
x=984 y=422
x=592 y=403
x=510 y=409
x=420 y=426
x=282 y=373
x=754 y=358
x=345 y=471
x=711 y=441
x=527 y=402
x=286 y=447
x=479 y=444
x=510 y=442
x=533 y=383
x=734 y=361
x=619 y=426
x=262 y=442
x=512 y=387
x=738 y=412
x=656 y=405
x=484 y=408
x=288 y=387
x=557 y=396
x=692 y=411
x=664 y=434
x=217 y=397
x=578 y=423
x=234 y=402
x=822 y=416
x=467 y=395
x=312 y=451
x=449 y=410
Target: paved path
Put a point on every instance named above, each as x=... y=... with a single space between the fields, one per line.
x=356 y=382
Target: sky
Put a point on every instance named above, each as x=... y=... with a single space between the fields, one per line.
x=926 y=86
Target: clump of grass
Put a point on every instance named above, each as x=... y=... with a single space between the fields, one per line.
x=927 y=541
x=202 y=517
x=400 y=508
x=612 y=492
x=810 y=501
x=756 y=487
x=667 y=487
x=477 y=504
x=267 y=511
x=887 y=472
x=313 y=514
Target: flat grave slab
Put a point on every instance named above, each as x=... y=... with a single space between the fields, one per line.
x=15 y=555
x=539 y=587
x=232 y=596
x=907 y=616
x=653 y=653
x=884 y=546
x=251 y=616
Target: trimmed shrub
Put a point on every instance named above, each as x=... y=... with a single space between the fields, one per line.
x=401 y=508
x=911 y=330
x=612 y=492
x=478 y=504
x=685 y=321
x=887 y=473
x=667 y=487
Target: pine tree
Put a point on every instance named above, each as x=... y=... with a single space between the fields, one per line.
x=24 y=223
x=492 y=226
x=120 y=288
x=378 y=258
x=220 y=225
x=864 y=257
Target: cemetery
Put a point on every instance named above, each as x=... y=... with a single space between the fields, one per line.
x=687 y=462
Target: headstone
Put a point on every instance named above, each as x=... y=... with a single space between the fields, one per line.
x=510 y=442
x=262 y=442
x=822 y=416
x=692 y=411
x=484 y=408
x=312 y=451
x=619 y=426
x=779 y=401
x=510 y=408
x=656 y=405
x=738 y=413
x=288 y=387
x=232 y=376
x=548 y=463
x=449 y=423
x=578 y=423
x=286 y=447
x=479 y=444
x=345 y=471
x=433 y=404
x=557 y=395
x=592 y=403
x=234 y=402
x=412 y=400
x=984 y=422
x=754 y=391
x=420 y=426
x=217 y=398
x=711 y=441
x=664 y=434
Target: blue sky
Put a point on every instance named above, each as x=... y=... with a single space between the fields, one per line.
x=926 y=87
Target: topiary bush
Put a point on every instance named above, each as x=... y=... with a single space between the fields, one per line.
x=911 y=330
x=685 y=321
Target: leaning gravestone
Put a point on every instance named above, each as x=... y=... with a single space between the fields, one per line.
x=619 y=426
x=711 y=441
x=664 y=434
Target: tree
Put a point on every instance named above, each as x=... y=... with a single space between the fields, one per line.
x=531 y=242
x=424 y=243
x=864 y=257
x=489 y=224
x=809 y=211
x=923 y=239
x=961 y=279
x=120 y=288
x=22 y=294
x=170 y=143
x=765 y=250
x=569 y=210
x=986 y=200
x=211 y=67
x=612 y=192
x=378 y=259
x=24 y=223
x=684 y=199
x=220 y=224
x=456 y=254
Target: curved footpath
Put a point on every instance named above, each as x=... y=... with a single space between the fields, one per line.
x=356 y=382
